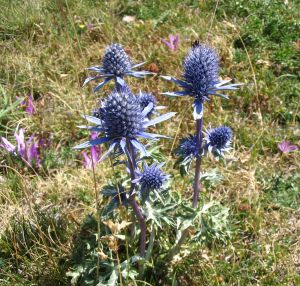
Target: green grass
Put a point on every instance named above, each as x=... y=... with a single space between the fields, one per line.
x=46 y=46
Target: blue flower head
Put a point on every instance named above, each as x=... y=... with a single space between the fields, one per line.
x=115 y=65
x=218 y=140
x=116 y=61
x=200 y=71
x=151 y=179
x=145 y=98
x=188 y=147
x=200 y=77
x=121 y=119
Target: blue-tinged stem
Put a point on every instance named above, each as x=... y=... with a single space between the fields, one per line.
x=197 y=183
x=132 y=201
x=197 y=187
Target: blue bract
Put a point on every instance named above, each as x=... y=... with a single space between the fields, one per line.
x=218 y=140
x=121 y=120
x=115 y=65
x=145 y=99
x=201 y=77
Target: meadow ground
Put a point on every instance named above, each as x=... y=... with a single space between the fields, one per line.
x=45 y=48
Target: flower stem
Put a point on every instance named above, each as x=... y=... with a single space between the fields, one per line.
x=137 y=210
x=151 y=243
x=197 y=183
x=197 y=187
x=140 y=217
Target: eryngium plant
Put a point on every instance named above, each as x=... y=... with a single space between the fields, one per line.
x=200 y=80
x=121 y=122
x=200 y=77
x=218 y=140
x=151 y=179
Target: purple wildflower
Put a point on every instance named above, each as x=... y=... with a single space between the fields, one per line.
x=173 y=43
x=27 y=150
x=96 y=152
x=286 y=147
x=90 y=26
x=4 y=143
x=27 y=103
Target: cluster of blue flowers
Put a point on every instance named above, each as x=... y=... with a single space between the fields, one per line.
x=122 y=118
x=200 y=79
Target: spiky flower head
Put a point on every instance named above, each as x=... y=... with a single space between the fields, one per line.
x=116 y=61
x=218 y=140
x=121 y=115
x=115 y=65
x=200 y=77
x=152 y=177
x=188 y=147
x=122 y=120
x=201 y=70
x=145 y=98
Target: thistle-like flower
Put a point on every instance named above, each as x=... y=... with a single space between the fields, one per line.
x=187 y=147
x=115 y=65
x=151 y=179
x=200 y=77
x=122 y=120
x=145 y=98
x=218 y=140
